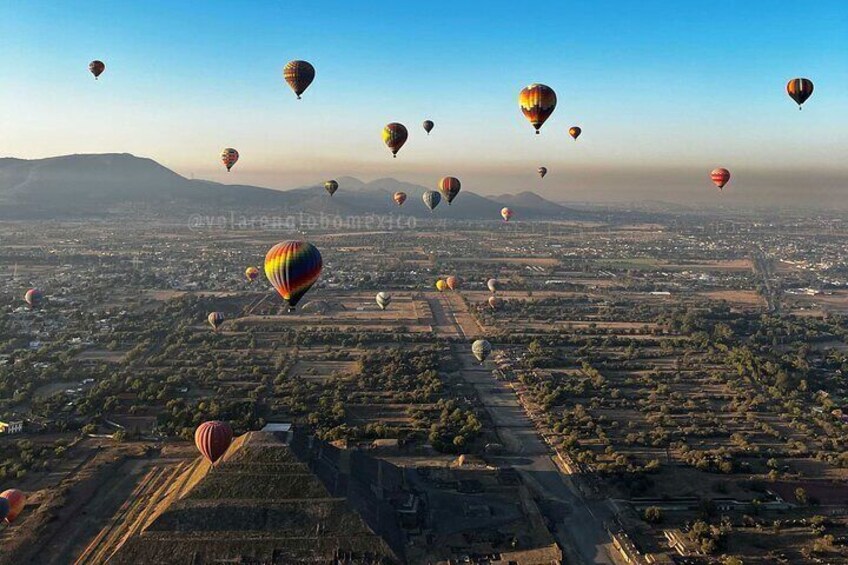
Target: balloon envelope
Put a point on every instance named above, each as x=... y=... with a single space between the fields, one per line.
x=331 y=186
x=431 y=199
x=575 y=131
x=252 y=273
x=542 y=171
x=449 y=187
x=493 y=285
x=394 y=136
x=299 y=75
x=720 y=177
x=229 y=156
x=213 y=439
x=33 y=297
x=16 y=500
x=494 y=302
x=215 y=320
x=428 y=126
x=799 y=89
x=292 y=267
x=506 y=214
x=452 y=282
x=383 y=300
x=97 y=67
x=399 y=198
x=537 y=103
x=481 y=349
x=441 y=285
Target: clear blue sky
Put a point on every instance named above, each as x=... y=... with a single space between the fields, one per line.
x=662 y=89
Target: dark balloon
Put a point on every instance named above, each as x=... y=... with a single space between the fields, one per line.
x=215 y=320
x=399 y=198
x=394 y=136
x=542 y=171
x=299 y=75
x=428 y=126
x=331 y=186
x=4 y=509
x=449 y=187
x=575 y=131
x=799 y=89
x=213 y=439
x=96 y=67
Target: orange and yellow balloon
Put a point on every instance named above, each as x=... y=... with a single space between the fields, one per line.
x=537 y=102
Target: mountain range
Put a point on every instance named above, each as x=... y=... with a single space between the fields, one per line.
x=107 y=184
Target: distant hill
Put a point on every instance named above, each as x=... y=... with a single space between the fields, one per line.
x=106 y=184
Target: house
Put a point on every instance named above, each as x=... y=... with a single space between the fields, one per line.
x=12 y=427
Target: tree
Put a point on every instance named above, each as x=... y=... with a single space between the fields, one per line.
x=653 y=514
x=801 y=496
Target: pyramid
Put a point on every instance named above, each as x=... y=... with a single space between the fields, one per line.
x=273 y=498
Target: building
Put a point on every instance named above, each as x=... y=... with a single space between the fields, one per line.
x=13 y=427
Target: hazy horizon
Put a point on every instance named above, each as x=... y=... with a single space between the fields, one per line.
x=663 y=93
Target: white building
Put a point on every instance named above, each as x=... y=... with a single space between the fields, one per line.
x=14 y=427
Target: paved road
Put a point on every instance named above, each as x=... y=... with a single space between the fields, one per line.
x=580 y=523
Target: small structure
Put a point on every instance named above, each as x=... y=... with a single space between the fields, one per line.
x=13 y=427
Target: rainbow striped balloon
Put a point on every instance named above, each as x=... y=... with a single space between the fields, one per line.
x=293 y=267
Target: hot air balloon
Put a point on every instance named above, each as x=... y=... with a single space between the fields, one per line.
x=428 y=126
x=299 y=75
x=215 y=320
x=720 y=177
x=537 y=102
x=96 y=67
x=493 y=285
x=542 y=171
x=16 y=501
x=452 y=282
x=494 y=302
x=394 y=136
x=449 y=187
x=383 y=300
x=33 y=297
x=481 y=349
x=331 y=186
x=799 y=89
x=399 y=198
x=252 y=273
x=506 y=213
x=441 y=285
x=212 y=439
x=575 y=131
x=293 y=267
x=432 y=199
x=229 y=156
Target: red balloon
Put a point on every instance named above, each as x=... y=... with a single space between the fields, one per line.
x=213 y=439
x=16 y=500
x=720 y=177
